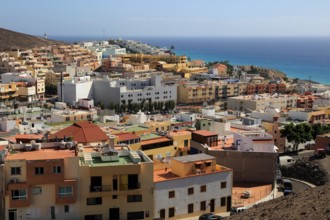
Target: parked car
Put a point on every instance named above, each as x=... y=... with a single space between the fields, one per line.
x=209 y=216
x=287 y=187
x=246 y=194
x=320 y=153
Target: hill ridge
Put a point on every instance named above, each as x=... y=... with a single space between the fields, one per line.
x=15 y=40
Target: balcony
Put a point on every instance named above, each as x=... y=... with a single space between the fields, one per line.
x=103 y=188
x=19 y=195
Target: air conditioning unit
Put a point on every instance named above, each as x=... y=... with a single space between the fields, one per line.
x=13 y=180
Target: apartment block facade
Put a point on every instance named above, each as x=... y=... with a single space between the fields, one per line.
x=192 y=185
x=121 y=90
x=41 y=185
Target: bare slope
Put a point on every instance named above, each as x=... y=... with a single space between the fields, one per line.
x=11 y=39
x=311 y=204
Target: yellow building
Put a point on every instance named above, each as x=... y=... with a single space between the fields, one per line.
x=158 y=125
x=194 y=92
x=54 y=78
x=41 y=184
x=181 y=140
x=8 y=92
x=115 y=184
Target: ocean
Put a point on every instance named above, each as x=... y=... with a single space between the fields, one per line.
x=298 y=57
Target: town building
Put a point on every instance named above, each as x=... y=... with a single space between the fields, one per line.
x=123 y=91
x=115 y=183
x=41 y=184
x=83 y=132
x=191 y=185
x=68 y=115
x=308 y=115
x=261 y=102
x=32 y=83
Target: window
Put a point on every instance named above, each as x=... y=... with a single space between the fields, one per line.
x=38 y=170
x=134 y=198
x=94 y=201
x=171 y=212
x=93 y=217
x=135 y=215
x=203 y=205
x=223 y=201
x=190 y=190
x=208 y=163
x=203 y=188
x=57 y=169
x=190 y=208
x=19 y=194
x=171 y=194
x=15 y=170
x=65 y=191
x=114 y=196
x=66 y=208
x=223 y=185
x=186 y=142
x=37 y=190
x=67 y=118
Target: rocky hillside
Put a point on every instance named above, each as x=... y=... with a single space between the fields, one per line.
x=311 y=204
x=11 y=39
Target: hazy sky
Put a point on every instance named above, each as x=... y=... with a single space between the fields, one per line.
x=168 y=17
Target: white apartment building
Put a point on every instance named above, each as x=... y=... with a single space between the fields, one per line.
x=118 y=91
x=255 y=141
x=191 y=186
x=261 y=102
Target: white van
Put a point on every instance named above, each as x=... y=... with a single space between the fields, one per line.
x=236 y=210
x=286 y=160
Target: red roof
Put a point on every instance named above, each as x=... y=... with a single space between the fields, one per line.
x=82 y=132
x=2 y=148
x=126 y=136
x=28 y=136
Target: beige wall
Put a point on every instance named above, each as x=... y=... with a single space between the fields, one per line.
x=145 y=172
x=248 y=166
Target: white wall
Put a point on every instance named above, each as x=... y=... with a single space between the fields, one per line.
x=182 y=199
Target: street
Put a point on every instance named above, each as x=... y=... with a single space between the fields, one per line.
x=299 y=186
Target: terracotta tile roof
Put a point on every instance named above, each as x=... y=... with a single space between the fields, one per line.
x=82 y=132
x=29 y=136
x=41 y=155
x=179 y=133
x=204 y=133
x=126 y=136
x=155 y=140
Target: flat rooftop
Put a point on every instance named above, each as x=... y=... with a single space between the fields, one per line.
x=123 y=160
x=44 y=154
x=166 y=175
x=193 y=158
x=149 y=136
x=135 y=128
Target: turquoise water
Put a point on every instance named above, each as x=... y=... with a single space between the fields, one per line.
x=301 y=57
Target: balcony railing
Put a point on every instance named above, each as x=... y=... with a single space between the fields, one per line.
x=109 y=188
x=103 y=188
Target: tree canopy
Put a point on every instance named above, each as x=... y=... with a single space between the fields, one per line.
x=298 y=134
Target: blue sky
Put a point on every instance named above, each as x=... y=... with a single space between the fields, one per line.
x=168 y=18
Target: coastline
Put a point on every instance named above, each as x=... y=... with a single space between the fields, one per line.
x=297 y=57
